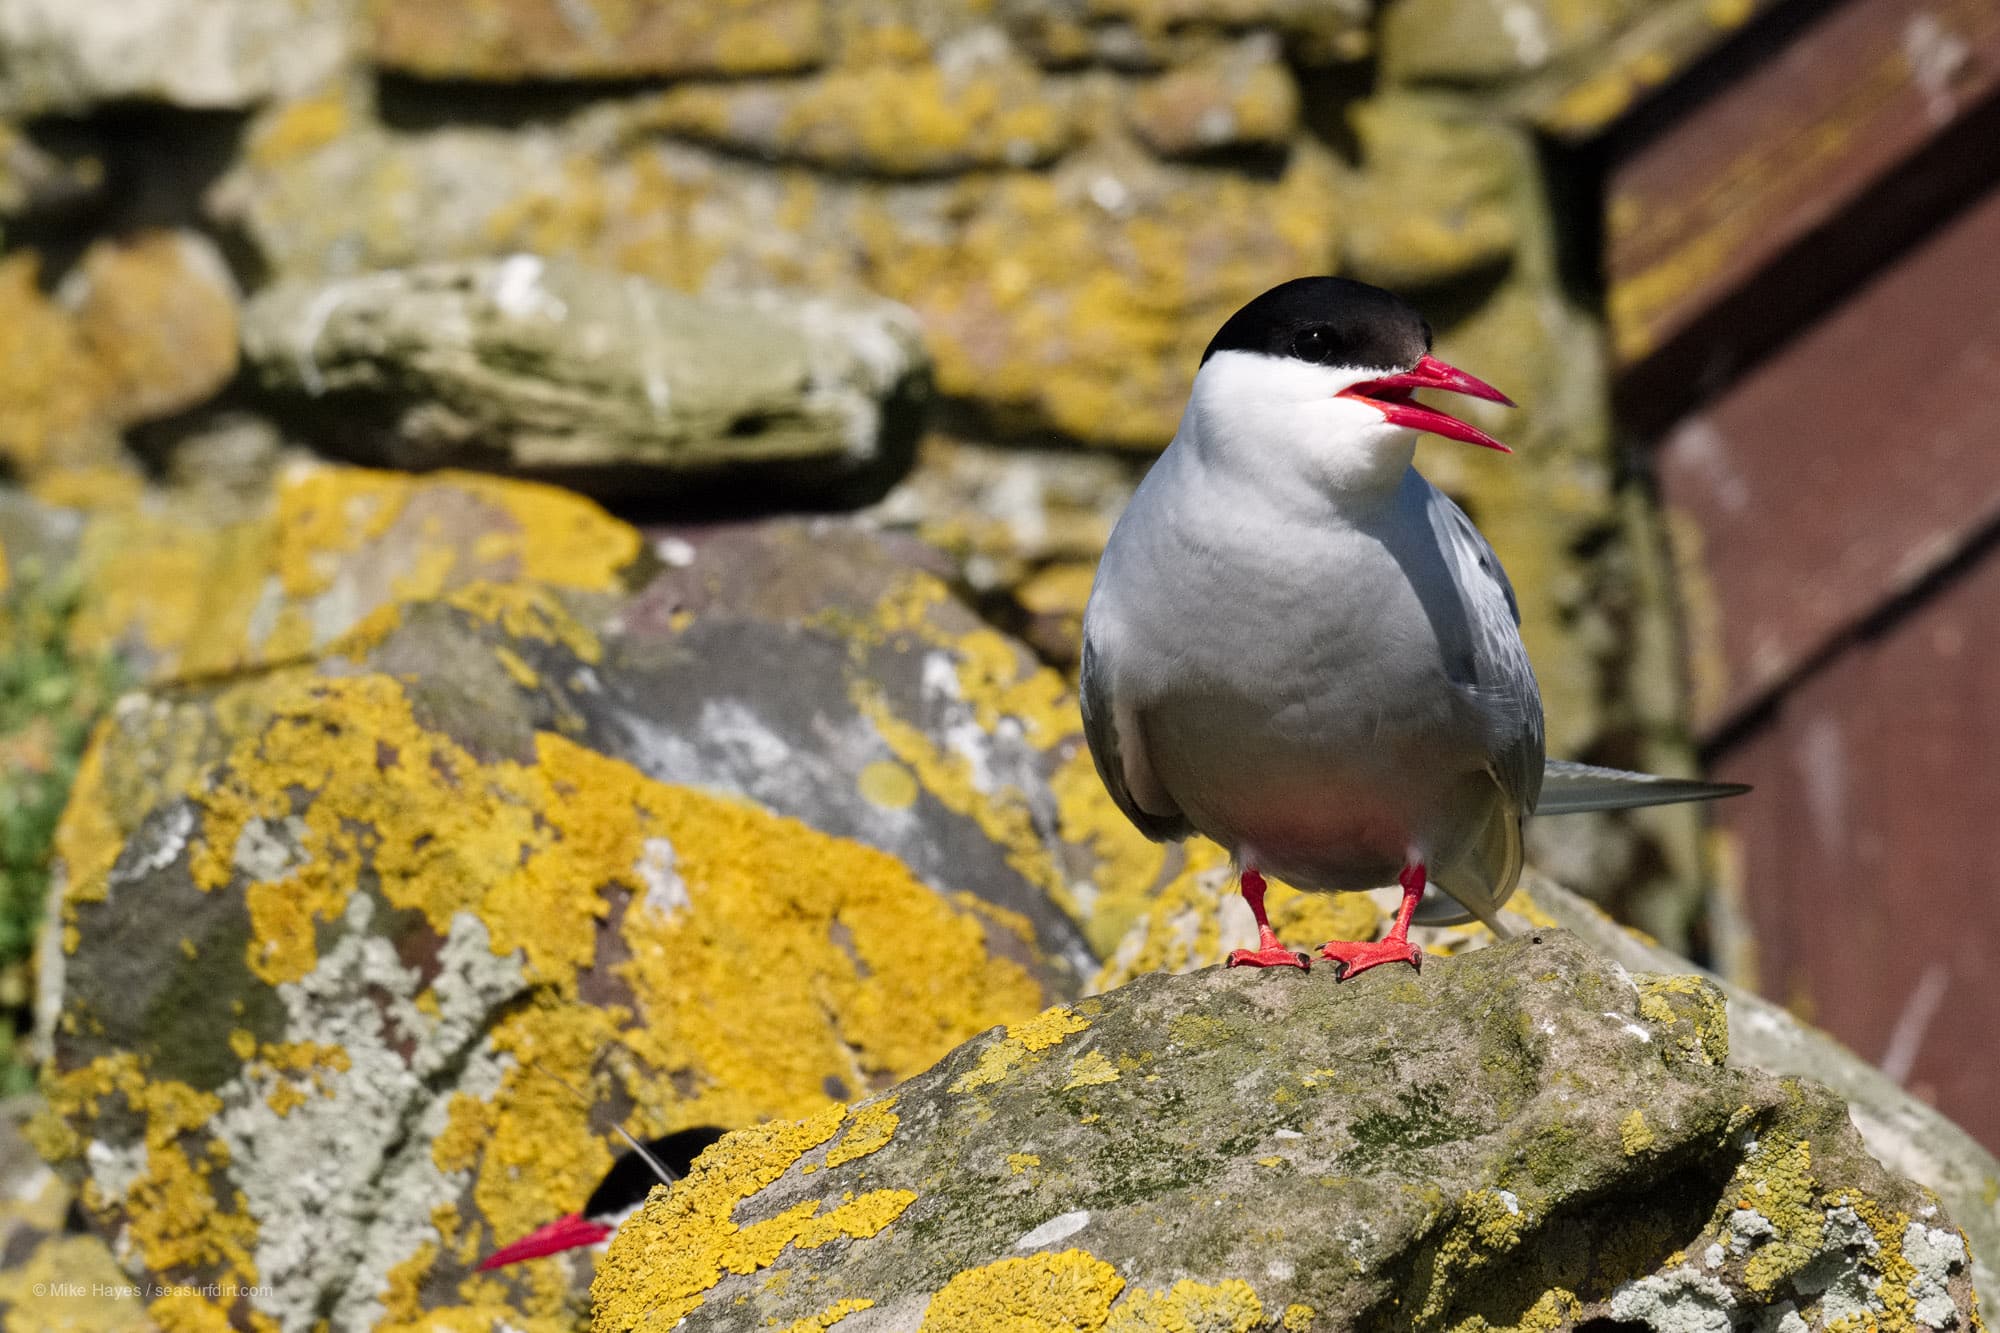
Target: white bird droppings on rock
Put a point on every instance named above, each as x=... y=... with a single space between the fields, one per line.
x=1060 y=1227
x=666 y=891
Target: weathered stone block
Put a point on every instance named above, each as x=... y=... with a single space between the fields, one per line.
x=564 y=371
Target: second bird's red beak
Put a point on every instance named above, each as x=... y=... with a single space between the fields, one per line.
x=1390 y=396
x=565 y=1233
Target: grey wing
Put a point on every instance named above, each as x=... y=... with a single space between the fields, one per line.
x=1499 y=665
x=1101 y=732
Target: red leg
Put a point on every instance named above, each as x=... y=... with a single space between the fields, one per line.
x=1269 y=952
x=1395 y=947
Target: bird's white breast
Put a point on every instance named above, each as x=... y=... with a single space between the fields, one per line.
x=1286 y=674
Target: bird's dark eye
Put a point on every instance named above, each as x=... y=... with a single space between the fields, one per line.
x=1314 y=344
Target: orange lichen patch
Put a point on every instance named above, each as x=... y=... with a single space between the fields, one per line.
x=173 y=1216
x=874 y=1125
x=1068 y=1291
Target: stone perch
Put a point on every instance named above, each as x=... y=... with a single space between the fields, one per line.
x=1523 y=1137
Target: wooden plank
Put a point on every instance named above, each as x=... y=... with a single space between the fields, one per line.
x=1866 y=849
x=1769 y=162
x=1844 y=470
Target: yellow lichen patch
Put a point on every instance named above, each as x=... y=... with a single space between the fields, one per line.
x=888 y=785
x=51 y=389
x=1067 y=1291
x=1019 y=1162
x=874 y=1125
x=1182 y=927
x=1297 y=1318
x=665 y=1259
x=827 y=1318
x=1229 y=1306
x=1665 y=1000
x=1776 y=1181
x=175 y=1221
x=1634 y=1134
x=1090 y=1070
x=1023 y=1039
x=769 y=899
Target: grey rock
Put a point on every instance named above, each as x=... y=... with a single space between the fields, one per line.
x=1904 y=1132
x=64 y=56
x=1528 y=1135
x=559 y=371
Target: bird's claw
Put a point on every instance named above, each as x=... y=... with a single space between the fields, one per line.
x=1274 y=956
x=1350 y=960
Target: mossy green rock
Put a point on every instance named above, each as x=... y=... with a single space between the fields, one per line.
x=1523 y=1137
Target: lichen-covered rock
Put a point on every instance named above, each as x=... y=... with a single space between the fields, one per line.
x=52 y=1276
x=1439 y=196
x=140 y=328
x=1467 y=41
x=549 y=39
x=985 y=109
x=1243 y=96
x=157 y=317
x=1076 y=299
x=186 y=583
x=1903 y=1131
x=559 y=370
x=337 y=950
x=60 y=56
x=1151 y=33
x=1524 y=1137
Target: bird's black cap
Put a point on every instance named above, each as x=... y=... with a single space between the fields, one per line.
x=1330 y=322
x=631 y=1176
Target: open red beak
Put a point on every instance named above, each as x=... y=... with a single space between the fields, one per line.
x=565 y=1233
x=1390 y=396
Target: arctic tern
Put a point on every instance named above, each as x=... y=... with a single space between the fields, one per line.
x=1298 y=647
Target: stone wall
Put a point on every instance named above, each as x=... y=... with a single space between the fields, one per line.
x=1070 y=195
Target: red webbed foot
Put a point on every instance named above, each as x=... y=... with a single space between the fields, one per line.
x=1352 y=959
x=1271 y=954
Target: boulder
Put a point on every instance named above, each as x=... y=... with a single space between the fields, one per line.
x=1523 y=1137
x=563 y=371
x=1198 y=919
x=352 y=973
x=357 y=957
x=63 y=57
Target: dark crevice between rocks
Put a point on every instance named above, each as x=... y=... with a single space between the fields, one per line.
x=1327 y=96
x=159 y=164
x=416 y=104
x=1589 y=1245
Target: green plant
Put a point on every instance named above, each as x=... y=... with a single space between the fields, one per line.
x=49 y=700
